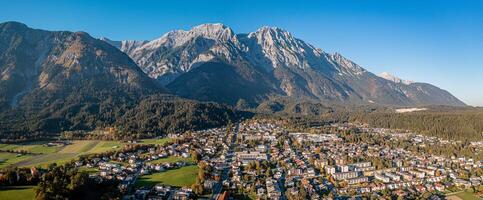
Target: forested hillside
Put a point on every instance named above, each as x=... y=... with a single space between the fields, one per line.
x=55 y=81
x=456 y=124
x=459 y=123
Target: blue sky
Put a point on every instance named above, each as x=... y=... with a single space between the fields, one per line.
x=439 y=42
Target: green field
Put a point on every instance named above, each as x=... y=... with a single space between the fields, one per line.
x=155 y=141
x=17 y=193
x=81 y=146
x=105 y=146
x=172 y=159
x=467 y=196
x=464 y=195
x=185 y=176
x=7 y=159
x=44 y=155
x=64 y=154
x=32 y=147
x=45 y=159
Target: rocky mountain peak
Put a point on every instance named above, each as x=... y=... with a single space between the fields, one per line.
x=394 y=79
x=281 y=48
x=213 y=30
x=217 y=31
x=272 y=30
x=51 y=64
x=273 y=36
x=192 y=63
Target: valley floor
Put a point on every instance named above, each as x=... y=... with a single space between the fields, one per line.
x=43 y=153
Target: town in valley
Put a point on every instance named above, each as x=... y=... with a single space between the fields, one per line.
x=267 y=159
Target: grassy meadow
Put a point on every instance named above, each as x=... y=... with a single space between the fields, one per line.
x=184 y=176
x=465 y=195
x=7 y=159
x=43 y=155
x=17 y=193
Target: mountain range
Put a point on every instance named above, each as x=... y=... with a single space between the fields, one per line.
x=52 y=81
x=212 y=63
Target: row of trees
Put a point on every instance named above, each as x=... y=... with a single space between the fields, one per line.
x=204 y=172
x=19 y=176
x=65 y=182
x=60 y=182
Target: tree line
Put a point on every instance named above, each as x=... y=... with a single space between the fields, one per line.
x=150 y=116
x=455 y=123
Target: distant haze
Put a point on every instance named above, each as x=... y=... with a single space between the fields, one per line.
x=425 y=41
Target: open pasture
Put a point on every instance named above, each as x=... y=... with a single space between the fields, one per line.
x=43 y=154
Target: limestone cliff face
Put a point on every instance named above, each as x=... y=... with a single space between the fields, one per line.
x=282 y=64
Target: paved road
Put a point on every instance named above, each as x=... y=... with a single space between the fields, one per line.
x=217 y=189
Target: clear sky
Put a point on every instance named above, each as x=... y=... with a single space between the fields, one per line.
x=439 y=42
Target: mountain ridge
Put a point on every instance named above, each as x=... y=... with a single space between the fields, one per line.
x=54 y=81
x=390 y=77
x=294 y=68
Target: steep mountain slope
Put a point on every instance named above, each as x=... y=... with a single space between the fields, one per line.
x=50 y=65
x=54 y=81
x=422 y=93
x=126 y=46
x=285 y=65
x=178 y=52
x=221 y=82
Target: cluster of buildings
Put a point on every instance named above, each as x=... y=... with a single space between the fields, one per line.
x=128 y=165
x=263 y=159
x=329 y=165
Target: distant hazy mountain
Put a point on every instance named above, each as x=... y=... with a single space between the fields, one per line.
x=53 y=81
x=212 y=63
